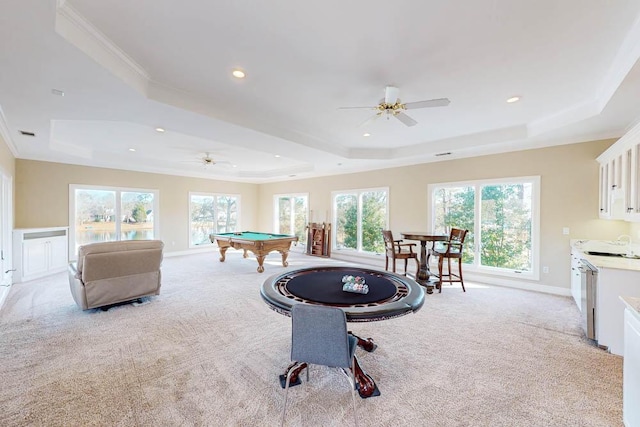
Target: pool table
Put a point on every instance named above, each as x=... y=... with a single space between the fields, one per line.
x=258 y=243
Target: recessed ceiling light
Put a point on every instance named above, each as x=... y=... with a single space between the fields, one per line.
x=277 y=155
x=160 y=130
x=57 y=92
x=513 y=99
x=132 y=149
x=238 y=74
x=366 y=134
x=234 y=166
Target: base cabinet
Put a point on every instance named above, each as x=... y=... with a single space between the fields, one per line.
x=39 y=252
x=631 y=370
x=612 y=284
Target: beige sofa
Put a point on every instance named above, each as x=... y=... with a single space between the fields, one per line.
x=112 y=272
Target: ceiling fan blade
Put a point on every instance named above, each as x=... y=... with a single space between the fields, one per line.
x=440 y=102
x=405 y=119
x=370 y=120
x=391 y=94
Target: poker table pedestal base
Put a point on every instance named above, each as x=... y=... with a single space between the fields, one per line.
x=365 y=385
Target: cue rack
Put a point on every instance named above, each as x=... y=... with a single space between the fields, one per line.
x=319 y=239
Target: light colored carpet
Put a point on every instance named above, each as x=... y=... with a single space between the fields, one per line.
x=208 y=351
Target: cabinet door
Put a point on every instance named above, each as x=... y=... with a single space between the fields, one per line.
x=576 y=285
x=631 y=371
x=35 y=257
x=604 y=190
x=58 y=253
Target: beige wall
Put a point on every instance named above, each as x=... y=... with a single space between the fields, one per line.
x=569 y=195
x=7 y=161
x=42 y=196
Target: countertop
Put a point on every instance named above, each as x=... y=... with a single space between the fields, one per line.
x=621 y=263
x=633 y=304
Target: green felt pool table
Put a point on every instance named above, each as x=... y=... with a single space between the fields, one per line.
x=258 y=243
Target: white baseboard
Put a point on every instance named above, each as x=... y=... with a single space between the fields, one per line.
x=4 y=291
x=528 y=285
x=518 y=284
x=190 y=251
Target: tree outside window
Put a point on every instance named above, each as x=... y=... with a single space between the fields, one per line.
x=500 y=216
x=359 y=217
x=292 y=216
x=111 y=214
x=211 y=213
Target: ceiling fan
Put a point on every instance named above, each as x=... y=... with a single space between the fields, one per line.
x=208 y=162
x=391 y=106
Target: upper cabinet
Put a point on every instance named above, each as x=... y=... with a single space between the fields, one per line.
x=619 y=187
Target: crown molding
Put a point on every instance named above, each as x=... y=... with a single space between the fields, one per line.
x=626 y=57
x=6 y=135
x=77 y=30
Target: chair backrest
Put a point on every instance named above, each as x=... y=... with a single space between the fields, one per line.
x=389 y=246
x=319 y=336
x=456 y=240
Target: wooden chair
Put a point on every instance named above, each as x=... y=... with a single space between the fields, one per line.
x=395 y=249
x=451 y=249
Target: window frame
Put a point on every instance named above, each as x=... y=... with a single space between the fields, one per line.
x=334 y=229
x=535 y=181
x=276 y=211
x=118 y=206
x=207 y=194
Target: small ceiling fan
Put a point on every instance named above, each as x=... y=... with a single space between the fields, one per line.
x=208 y=162
x=391 y=106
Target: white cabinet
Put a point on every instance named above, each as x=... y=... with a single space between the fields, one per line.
x=39 y=252
x=631 y=369
x=619 y=186
x=612 y=284
x=576 y=284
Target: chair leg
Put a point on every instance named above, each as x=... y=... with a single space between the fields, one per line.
x=406 y=261
x=460 y=273
x=286 y=393
x=352 y=380
x=394 y=264
x=440 y=261
x=386 y=263
x=417 y=267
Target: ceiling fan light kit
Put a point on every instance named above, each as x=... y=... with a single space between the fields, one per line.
x=391 y=106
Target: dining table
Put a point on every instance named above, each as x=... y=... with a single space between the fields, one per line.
x=425 y=277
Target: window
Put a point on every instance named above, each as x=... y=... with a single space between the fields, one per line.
x=291 y=215
x=105 y=214
x=211 y=213
x=359 y=216
x=502 y=217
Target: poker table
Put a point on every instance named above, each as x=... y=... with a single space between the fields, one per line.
x=258 y=243
x=390 y=295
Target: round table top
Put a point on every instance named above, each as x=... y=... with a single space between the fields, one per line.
x=390 y=295
x=424 y=235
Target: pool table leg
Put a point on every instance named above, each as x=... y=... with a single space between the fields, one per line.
x=284 y=254
x=223 y=252
x=245 y=254
x=260 y=259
